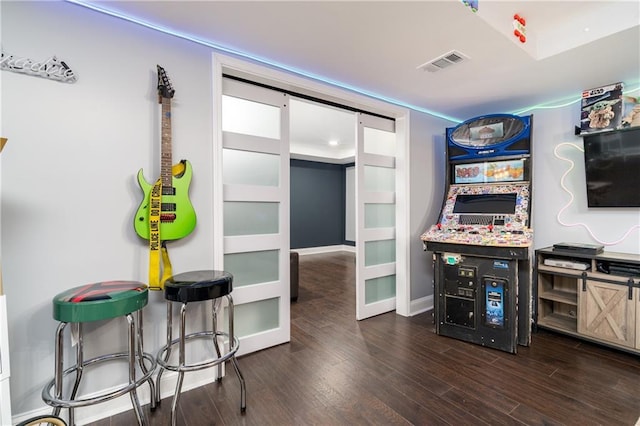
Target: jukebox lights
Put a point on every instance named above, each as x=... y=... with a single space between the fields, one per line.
x=519 y=29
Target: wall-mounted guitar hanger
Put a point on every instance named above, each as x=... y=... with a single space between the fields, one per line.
x=52 y=68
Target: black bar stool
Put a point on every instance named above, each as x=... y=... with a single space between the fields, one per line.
x=198 y=286
x=94 y=302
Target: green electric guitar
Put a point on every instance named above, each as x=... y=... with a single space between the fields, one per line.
x=176 y=214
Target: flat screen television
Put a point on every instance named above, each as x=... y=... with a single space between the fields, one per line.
x=612 y=168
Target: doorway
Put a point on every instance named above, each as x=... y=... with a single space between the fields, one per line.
x=334 y=138
x=322 y=151
x=322 y=200
x=226 y=66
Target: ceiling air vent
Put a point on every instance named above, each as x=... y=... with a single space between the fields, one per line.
x=444 y=61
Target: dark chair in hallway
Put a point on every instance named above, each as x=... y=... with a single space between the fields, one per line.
x=294 y=276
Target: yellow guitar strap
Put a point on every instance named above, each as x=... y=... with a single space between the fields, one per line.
x=155 y=282
x=154 y=237
x=156 y=245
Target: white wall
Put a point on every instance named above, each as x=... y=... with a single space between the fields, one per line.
x=68 y=174
x=5 y=397
x=552 y=127
x=426 y=193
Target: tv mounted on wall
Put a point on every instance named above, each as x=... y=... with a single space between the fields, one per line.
x=612 y=168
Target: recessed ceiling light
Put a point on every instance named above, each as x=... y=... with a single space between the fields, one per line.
x=333 y=143
x=586 y=29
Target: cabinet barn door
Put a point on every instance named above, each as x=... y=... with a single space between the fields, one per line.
x=637 y=297
x=606 y=313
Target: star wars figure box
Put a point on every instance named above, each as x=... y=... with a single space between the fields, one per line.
x=601 y=109
x=630 y=112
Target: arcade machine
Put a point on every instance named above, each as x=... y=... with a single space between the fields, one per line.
x=481 y=244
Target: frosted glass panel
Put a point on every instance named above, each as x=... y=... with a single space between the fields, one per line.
x=379 y=142
x=250 y=218
x=379 y=215
x=265 y=119
x=379 y=179
x=252 y=267
x=256 y=317
x=250 y=168
x=379 y=252
x=378 y=289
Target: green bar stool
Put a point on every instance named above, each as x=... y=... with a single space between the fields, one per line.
x=198 y=286
x=95 y=302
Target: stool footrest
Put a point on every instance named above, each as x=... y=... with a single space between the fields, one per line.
x=80 y=402
x=201 y=365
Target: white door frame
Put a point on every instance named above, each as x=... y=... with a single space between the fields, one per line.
x=303 y=85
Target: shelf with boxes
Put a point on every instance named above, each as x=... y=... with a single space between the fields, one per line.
x=590 y=294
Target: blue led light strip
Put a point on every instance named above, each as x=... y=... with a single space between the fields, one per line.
x=563 y=103
x=269 y=62
x=169 y=31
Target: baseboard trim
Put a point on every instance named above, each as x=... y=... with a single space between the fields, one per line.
x=324 y=249
x=86 y=415
x=421 y=305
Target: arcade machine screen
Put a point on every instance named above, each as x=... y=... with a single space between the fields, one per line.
x=490 y=172
x=486 y=203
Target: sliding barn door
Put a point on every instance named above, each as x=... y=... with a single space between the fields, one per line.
x=255 y=174
x=375 y=216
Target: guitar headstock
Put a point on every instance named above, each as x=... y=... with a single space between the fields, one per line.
x=165 y=90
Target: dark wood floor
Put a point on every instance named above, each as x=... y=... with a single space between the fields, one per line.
x=392 y=370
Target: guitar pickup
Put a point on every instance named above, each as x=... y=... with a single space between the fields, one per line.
x=168 y=190
x=168 y=207
x=169 y=217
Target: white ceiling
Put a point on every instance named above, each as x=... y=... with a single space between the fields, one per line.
x=313 y=126
x=376 y=47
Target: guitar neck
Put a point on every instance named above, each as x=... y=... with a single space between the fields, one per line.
x=166 y=160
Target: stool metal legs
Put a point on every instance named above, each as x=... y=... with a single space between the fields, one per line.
x=214 y=326
x=141 y=363
x=134 y=352
x=165 y=352
x=59 y=369
x=181 y=362
x=243 y=392
x=132 y=371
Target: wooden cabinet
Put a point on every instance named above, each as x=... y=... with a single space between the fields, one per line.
x=607 y=314
x=557 y=301
x=638 y=322
x=600 y=303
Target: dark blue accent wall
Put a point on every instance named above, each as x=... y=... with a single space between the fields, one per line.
x=317 y=204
